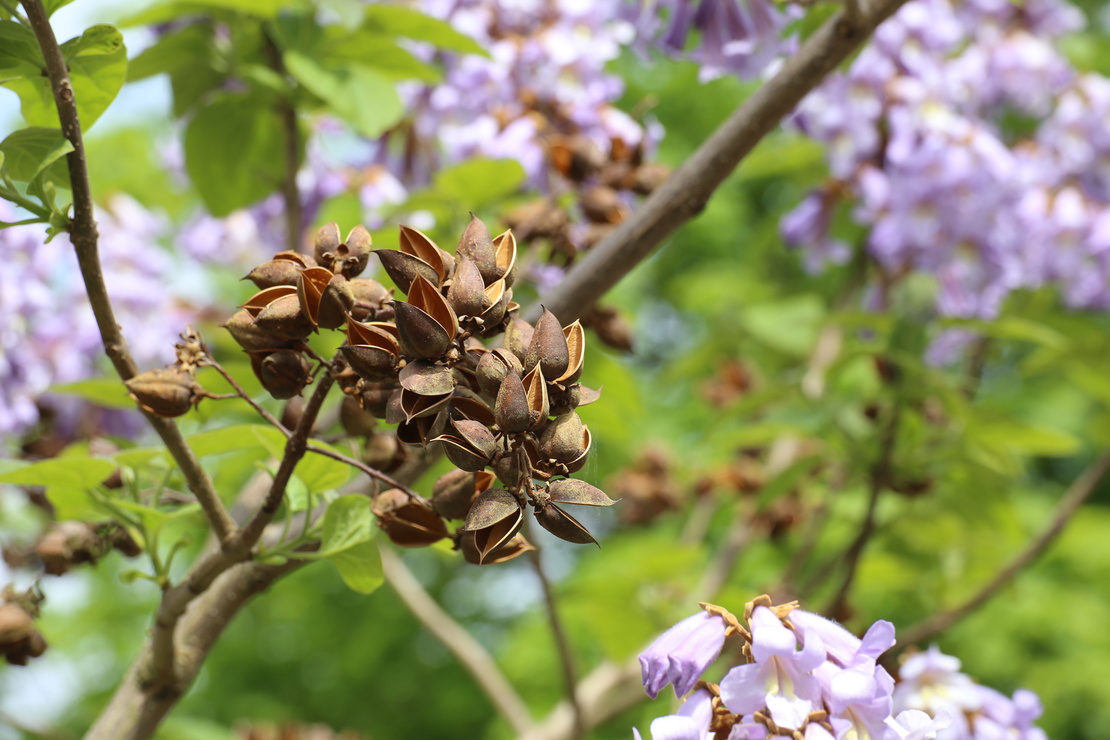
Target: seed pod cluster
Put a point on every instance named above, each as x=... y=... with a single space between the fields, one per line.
x=505 y=417
x=19 y=639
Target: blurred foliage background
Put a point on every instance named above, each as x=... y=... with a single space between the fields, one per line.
x=727 y=325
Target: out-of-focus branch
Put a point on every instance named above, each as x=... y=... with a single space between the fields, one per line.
x=465 y=648
x=84 y=236
x=294 y=217
x=1076 y=495
x=686 y=192
x=562 y=647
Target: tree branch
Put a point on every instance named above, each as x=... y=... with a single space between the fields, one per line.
x=688 y=189
x=1076 y=495
x=84 y=236
x=294 y=218
x=470 y=654
x=134 y=711
x=562 y=647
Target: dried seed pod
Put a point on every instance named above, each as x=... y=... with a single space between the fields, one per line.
x=356 y=421
x=164 y=392
x=421 y=336
x=563 y=440
x=454 y=491
x=577 y=492
x=563 y=525
x=427 y=378
x=535 y=388
x=336 y=302
x=467 y=294
x=505 y=244
x=511 y=408
x=282 y=374
x=603 y=204
x=403 y=268
x=284 y=319
x=577 y=157
x=68 y=544
x=375 y=397
x=576 y=353
x=265 y=297
x=509 y=470
x=19 y=640
x=418 y=244
x=492 y=369
x=247 y=335
x=370 y=298
x=407 y=521
x=275 y=272
x=494 y=518
x=518 y=335
x=476 y=244
x=371 y=350
x=327 y=241
x=648 y=177
x=469 y=445
x=427 y=298
x=515 y=546
x=548 y=347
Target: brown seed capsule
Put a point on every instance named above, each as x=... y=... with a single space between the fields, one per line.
x=275 y=272
x=249 y=336
x=469 y=445
x=68 y=544
x=476 y=244
x=282 y=374
x=518 y=335
x=336 y=302
x=603 y=205
x=563 y=525
x=454 y=492
x=505 y=244
x=407 y=521
x=577 y=492
x=284 y=319
x=403 y=268
x=370 y=298
x=563 y=439
x=492 y=369
x=417 y=244
x=420 y=335
x=511 y=408
x=548 y=347
x=467 y=294
x=535 y=388
x=427 y=378
x=515 y=546
x=494 y=518
x=356 y=421
x=166 y=393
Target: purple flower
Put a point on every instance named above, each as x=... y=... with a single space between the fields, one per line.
x=682 y=653
x=691 y=722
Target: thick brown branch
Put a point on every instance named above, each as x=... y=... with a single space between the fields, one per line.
x=686 y=192
x=83 y=234
x=135 y=711
x=294 y=218
x=1076 y=495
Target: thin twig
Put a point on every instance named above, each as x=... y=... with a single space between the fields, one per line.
x=14 y=10
x=241 y=393
x=295 y=448
x=84 y=236
x=878 y=481
x=468 y=651
x=294 y=219
x=686 y=192
x=1079 y=491
x=562 y=646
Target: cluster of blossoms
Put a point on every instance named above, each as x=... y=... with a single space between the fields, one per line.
x=48 y=335
x=806 y=677
x=973 y=151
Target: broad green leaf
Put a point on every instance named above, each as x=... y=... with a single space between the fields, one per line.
x=1014 y=328
x=789 y=325
x=96 y=40
x=53 y=5
x=377 y=51
x=296 y=492
x=176 y=50
x=74 y=504
x=107 y=392
x=96 y=78
x=68 y=472
x=271 y=440
x=154 y=518
x=1018 y=437
x=170 y=11
x=364 y=98
x=18 y=48
x=360 y=567
x=31 y=151
x=234 y=152
x=321 y=473
x=347 y=522
x=232 y=438
x=480 y=182
x=404 y=21
x=141 y=457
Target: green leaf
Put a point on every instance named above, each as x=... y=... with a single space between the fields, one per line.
x=106 y=392
x=97 y=40
x=19 y=49
x=96 y=77
x=52 y=5
x=403 y=21
x=347 y=522
x=479 y=182
x=170 y=11
x=376 y=51
x=321 y=473
x=74 y=504
x=70 y=472
x=360 y=567
x=30 y=152
x=789 y=326
x=1018 y=437
x=232 y=438
x=234 y=152
x=364 y=98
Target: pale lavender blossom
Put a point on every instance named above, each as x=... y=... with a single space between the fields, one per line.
x=690 y=723
x=682 y=653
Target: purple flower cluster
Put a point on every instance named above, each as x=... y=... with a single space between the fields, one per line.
x=973 y=151
x=806 y=676
x=932 y=682
x=48 y=334
x=740 y=37
x=544 y=75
